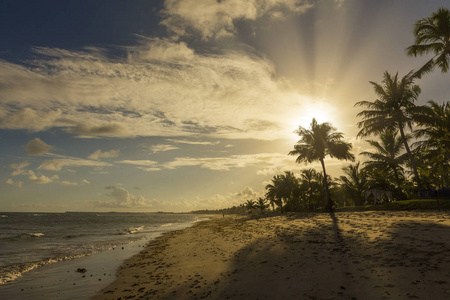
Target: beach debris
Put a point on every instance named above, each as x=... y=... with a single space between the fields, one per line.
x=81 y=270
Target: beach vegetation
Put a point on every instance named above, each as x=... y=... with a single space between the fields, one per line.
x=392 y=110
x=317 y=142
x=354 y=183
x=408 y=152
x=432 y=35
x=388 y=156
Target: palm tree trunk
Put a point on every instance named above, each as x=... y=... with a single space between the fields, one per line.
x=410 y=156
x=327 y=192
x=397 y=178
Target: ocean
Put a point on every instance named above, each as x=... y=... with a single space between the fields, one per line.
x=30 y=241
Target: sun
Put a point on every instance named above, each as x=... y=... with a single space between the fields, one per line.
x=321 y=110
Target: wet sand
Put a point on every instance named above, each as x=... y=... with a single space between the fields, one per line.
x=357 y=255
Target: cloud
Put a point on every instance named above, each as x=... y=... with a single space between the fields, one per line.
x=108 y=130
x=107 y=154
x=192 y=142
x=15 y=183
x=58 y=164
x=219 y=201
x=28 y=118
x=43 y=179
x=121 y=198
x=214 y=19
x=162 y=148
x=226 y=95
x=69 y=183
x=37 y=147
x=155 y=49
x=19 y=169
x=149 y=169
x=137 y=162
x=229 y=162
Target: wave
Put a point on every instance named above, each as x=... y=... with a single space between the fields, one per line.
x=131 y=230
x=26 y=236
x=12 y=272
x=166 y=225
x=3 y=216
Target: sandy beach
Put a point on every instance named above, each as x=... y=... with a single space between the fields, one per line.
x=355 y=255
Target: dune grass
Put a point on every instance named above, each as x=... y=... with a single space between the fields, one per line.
x=402 y=205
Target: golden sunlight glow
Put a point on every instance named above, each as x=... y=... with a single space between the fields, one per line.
x=320 y=109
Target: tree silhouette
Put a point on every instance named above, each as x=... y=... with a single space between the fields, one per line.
x=318 y=142
x=281 y=189
x=433 y=145
x=355 y=183
x=310 y=186
x=388 y=154
x=392 y=110
x=432 y=35
x=435 y=122
x=261 y=203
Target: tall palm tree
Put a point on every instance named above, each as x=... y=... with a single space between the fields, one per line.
x=392 y=110
x=432 y=35
x=355 y=183
x=318 y=142
x=388 y=154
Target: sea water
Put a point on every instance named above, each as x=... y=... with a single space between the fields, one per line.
x=33 y=240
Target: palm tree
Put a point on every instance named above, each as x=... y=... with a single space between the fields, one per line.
x=250 y=204
x=261 y=203
x=392 y=110
x=432 y=35
x=433 y=145
x=388 y=154
x=310 y=185
x=435 y=122
x=272 y=193
x=318 y=142
x=355 y=183
x=282 y=189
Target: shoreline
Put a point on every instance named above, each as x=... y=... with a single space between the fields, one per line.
x=101 y=269
x=348 y=255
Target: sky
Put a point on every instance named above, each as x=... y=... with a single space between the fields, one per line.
x=180 y=105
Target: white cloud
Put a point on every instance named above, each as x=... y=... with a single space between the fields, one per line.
x=19 y=169
x=58 y=164
x=27 y=118
x=137 y=162
x=189 y=142
x=107 y=154
x=216 y=18
x=162 y=148
x=213 y=95
x=37 y=147
x=17 y=183
x=149 y=169
x=43 y=179
x=220 y=201
x=229 y=162
x=121 y=198
x=69 y=183
x=154 y=49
